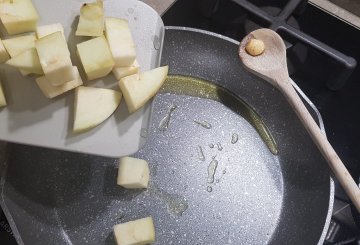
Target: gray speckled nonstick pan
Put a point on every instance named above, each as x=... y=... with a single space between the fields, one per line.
x=230 y=164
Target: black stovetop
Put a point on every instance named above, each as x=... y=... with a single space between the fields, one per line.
x=309 y=68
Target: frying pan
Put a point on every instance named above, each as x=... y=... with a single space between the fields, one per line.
x=230 y=164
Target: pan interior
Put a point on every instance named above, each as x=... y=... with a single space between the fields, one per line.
x=192 y=131
x=213 y=180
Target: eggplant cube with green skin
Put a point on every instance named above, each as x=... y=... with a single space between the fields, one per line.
x=2 y=97
x=18 y=16
x=4 y=56
x=136 y=232
x=95 y=57
x=133 y=173
x=27 y=61
x=16 y=45
x=140 y=88
x=93 y=106
x=91 y=20
x=120 y=40
x=120 y=72
x=42 y=31
x=51 y=91
x=55 y=59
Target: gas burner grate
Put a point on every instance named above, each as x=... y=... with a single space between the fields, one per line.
x=279 y=23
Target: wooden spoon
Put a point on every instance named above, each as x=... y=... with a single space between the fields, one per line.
x=271 y=65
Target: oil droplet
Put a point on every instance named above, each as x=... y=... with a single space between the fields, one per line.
x=234 y=138
x=219 y=146
x=156 y=43
x=209 y=189
x=211 y=171
x=224 y=171
x=176 y=204
x=143 y=132
x=203 y=124
x=200 y=153
x=211 y=146
x=164 y=123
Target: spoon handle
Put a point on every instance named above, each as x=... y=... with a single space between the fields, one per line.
x=335 y=163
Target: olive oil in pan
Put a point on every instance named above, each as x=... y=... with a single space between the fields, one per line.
x=203 y=124
x=234 y=138
x=219 y=146
x=200 y=152
x=164 y=123
x=200 y=88
x=176 y=204
x=212 y=170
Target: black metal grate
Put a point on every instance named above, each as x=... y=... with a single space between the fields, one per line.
x=279 y=24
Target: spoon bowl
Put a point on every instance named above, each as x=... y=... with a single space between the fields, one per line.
x=272 y=61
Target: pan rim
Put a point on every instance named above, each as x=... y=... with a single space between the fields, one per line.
x=303 y=96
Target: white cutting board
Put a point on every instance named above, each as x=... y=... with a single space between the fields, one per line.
x=31 y=118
